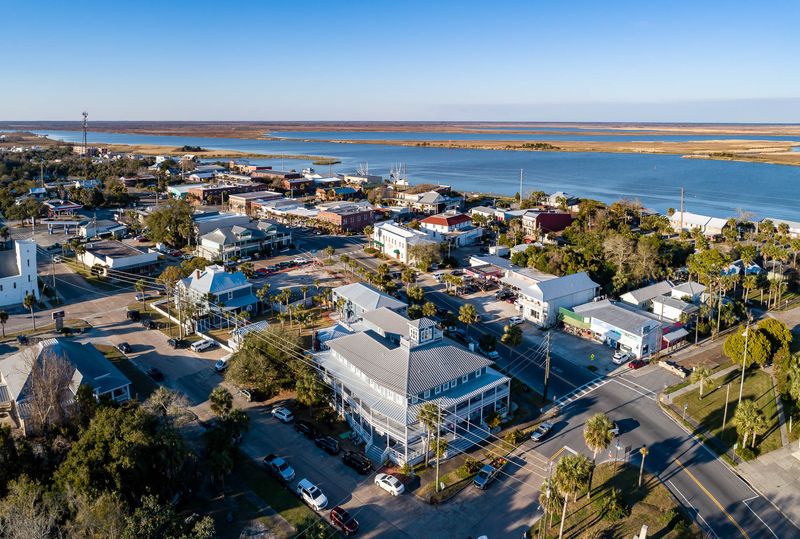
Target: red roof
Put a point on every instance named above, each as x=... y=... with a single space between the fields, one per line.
x=447 y=220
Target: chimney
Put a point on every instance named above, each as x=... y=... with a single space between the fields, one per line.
x=197 y=273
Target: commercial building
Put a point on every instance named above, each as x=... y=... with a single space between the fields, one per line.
x=395 y=240
x=453 y=227
x=205 y=222
x=106 y=255
x=353 y=300
x=102 y=228
x=667 y=300
x=61 y=208
x=242 y=203
x=541 y=295
x=236 y=241
x=386 y=367
x=18 y=273
x=86 y=366
x=348 y=216
x=216 y=294
x=431 y=202
x=219 y=193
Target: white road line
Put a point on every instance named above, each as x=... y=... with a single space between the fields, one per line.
x=758 y=517
x=651 y=397
x=693 y=507
x=629 y=381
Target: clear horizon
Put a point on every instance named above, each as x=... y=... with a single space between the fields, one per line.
x=681 y=62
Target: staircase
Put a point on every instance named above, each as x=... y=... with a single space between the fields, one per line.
x=375 y=454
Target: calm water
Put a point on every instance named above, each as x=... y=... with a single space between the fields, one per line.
x=712 y=187
x=549 y=137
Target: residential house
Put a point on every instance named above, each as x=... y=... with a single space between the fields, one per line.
x=396 y=240
x=364 y=180
x=18 y=273
x=541 y=295
x=690 y=291
x=666 y=300
x=238 y=334
x=336 y=193
x=431 y=202
x=453 y=227
x=104 y=256
x=353 y=300
x=267 y=174
x=641 y=298
x=387 y=367
x=536 y=223
x=673 y=309
x=487 y=212
x=560 y=199
x=216 y=294
x=793 y=226
x=219 y=193
x=297 y=186
x=86 y=366
x=709 y=226
x=182 y=191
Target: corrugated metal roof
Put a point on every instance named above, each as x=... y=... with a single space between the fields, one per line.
x=646 y=293
x=367 y=298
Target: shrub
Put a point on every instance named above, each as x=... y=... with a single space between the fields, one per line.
x=746 y=453
x=326 y=415
x=406 y=470
x=469 y=467
x=611 y=506
x=370 y=250
x=514 y=437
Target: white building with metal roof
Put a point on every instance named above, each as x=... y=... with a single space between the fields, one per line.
x=541 y=295
x=388 y=366
x=621 y=326
x=18 y=273
x=709 y=226
x=354 y=300
x=395 y=240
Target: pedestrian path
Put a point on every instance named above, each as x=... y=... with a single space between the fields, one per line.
x=581 y=391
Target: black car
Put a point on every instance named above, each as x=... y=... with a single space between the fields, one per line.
x=148 y=324
x=155 y=374
x=328 y=444
x=133 y=315
x=124 y=347
x=178 y=343
x=305 y=428
x=357 y=461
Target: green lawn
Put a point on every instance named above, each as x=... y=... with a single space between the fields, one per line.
x=142 y=386
x=649 y=504
x=274 y=493
x=710 y=410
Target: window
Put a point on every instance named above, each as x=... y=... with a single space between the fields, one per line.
x=29 y=278
x=230 y=295
x=477 y=373
x=437 y=390
x=446 y=386
x=427 y=394
x=414 y=399
x=15 y=285
x=464 y=378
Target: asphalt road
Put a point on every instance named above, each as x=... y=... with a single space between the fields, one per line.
x=718 y=499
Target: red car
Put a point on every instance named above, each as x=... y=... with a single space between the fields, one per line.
x=637 y=364
x=262 y=271
x=343 y=521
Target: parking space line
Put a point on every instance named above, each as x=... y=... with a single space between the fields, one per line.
x=758 y=517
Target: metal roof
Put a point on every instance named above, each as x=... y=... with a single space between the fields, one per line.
x=647 y=293
x=615 y=315
x=367 y=298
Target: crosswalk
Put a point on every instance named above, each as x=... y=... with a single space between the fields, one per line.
x=599 y=382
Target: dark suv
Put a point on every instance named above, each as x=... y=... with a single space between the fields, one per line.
x=305 y=428
x=328 y=444
x=178 y=343
x=357 y=461
x=343 y=521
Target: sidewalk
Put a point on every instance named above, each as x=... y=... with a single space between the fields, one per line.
x=776 y=475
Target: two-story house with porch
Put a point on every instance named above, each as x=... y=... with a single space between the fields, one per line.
x=215 y=294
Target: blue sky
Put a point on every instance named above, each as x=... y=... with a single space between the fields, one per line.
x=434 y=60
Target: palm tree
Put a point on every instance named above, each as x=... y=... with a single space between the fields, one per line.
x=221 y=401
x=700 y=374
x=408 y=277
x=549 y=499
x=140 y=286
x=749 y=420
x=3 y=320
x=263 y=295
x=468 y=315
x=30 y=302
x=643 y=451
x=428 y=309
x=597 y=435
x=571 y=474
x=80 y=250
x=304 y=290
x=428 y=414
x=749 y=282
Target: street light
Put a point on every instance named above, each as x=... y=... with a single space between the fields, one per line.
x=744 y=357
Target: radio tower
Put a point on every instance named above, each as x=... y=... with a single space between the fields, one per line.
x=85 y=128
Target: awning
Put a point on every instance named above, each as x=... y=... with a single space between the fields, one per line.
x=675 y=335
x=613 y=335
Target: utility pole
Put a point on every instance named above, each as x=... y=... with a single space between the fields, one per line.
x=546 y=366
x=520 y=188
x=681 y=208
x=725 y=413
x=85 y=145
x=438 y=442
x=744 y=358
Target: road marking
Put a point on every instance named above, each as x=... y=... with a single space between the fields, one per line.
x=693 y=507
x=582 y=391
x=557 y=453
x=712 y=498
x=758 y=517
x=643 y=394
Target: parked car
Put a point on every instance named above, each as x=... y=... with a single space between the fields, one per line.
x=515 y=320
x=204 y=344
x=390 y=484
x=187 y=256
x=614 y=428
x=357 y=461
x=176 y=253
x=300 y=261
x=57 y=259
x=328 y=444
x=311 y=494
x=142 y=239
x=620 y=357
x=279 y=467
x=491 y=354
x=155 y=374
x=541 y=431
x=283 y=414
x=178 y=343
x=637 y=364
x=133 y=314
x=221 y=365
x=305 y=428
x=263 y=272
x=124 y=347
x=343 y=521
x=148 y=324
x=141 y=296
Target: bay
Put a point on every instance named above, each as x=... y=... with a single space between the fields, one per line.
x=717 y=188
